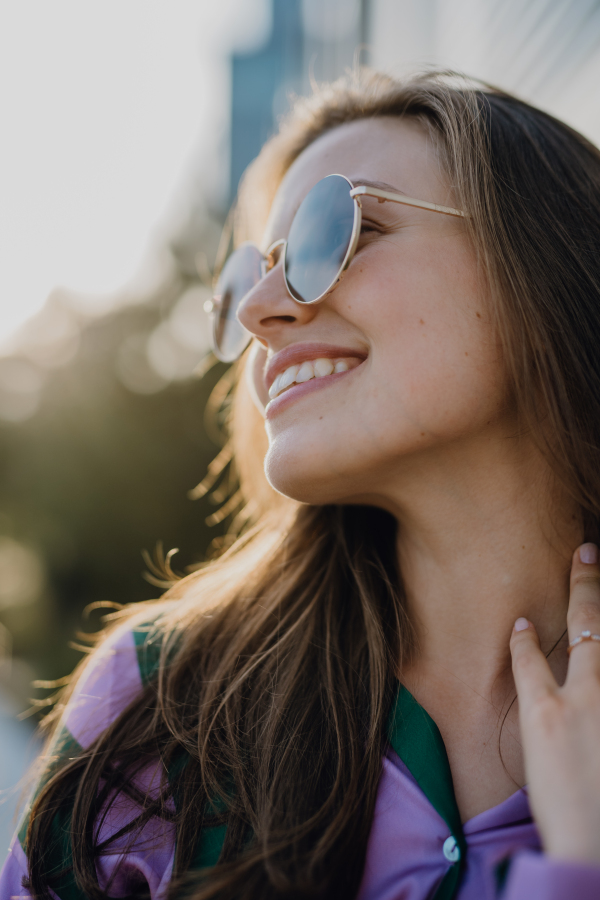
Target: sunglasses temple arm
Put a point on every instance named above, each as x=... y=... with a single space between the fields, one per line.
x=382 y=196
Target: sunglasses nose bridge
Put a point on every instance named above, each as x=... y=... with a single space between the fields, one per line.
x=268 y=306
x=274 y=255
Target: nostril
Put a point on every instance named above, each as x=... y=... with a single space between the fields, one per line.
x=278 y=319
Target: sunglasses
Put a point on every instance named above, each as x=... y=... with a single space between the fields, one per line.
x=320 y=246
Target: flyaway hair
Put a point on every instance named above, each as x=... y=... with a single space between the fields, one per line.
x=279 y=660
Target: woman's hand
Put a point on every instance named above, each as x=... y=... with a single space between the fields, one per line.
x=560 y=726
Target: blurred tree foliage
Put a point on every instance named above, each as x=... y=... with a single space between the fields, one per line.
x=98 y=474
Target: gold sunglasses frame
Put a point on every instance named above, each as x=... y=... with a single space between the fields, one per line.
x=356 y=193
x=212 y=306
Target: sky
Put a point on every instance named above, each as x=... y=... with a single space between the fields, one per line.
x=106 y=109
x=109 y=109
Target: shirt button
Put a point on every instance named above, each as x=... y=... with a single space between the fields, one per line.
x=451 y=849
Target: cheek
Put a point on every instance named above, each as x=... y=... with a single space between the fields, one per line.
x=434 y=375
x=441 y=375
x=439 y=393
x=434 y=346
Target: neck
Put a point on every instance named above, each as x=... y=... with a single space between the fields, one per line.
x=484 y=537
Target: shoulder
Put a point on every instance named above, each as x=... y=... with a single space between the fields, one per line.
x=115 y=673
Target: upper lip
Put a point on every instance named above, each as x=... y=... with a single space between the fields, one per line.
x=299 y=353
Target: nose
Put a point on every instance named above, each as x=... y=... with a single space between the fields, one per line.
x=270 y=314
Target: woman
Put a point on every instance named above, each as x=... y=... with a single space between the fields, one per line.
x=329 y=709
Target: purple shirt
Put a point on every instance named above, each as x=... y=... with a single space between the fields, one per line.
x=410 y=847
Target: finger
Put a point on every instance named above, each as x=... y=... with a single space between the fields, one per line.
x=532 y=674
x=583 y=617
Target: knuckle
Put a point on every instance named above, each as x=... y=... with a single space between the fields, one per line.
x=585 y=610
x=591 y=579
x=522 y=660
x=548 y=712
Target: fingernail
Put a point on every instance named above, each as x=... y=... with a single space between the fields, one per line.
x=588 y=553
x=521 y=624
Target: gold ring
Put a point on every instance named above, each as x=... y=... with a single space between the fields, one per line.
x=584 y=636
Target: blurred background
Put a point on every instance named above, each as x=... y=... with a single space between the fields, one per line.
x=126 y=125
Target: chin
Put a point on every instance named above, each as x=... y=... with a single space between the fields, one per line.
x=316 y=485
x=299 y=488
x=298 y=482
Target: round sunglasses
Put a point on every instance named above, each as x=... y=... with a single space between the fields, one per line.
x=320 y=246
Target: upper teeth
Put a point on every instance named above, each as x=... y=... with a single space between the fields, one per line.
x=313 y=368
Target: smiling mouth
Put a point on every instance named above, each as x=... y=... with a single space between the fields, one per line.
x=310 y=369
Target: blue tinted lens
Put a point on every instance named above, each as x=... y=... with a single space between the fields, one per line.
x=319 y=238
x=240 y=273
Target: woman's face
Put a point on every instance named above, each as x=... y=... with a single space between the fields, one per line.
x=410 y=319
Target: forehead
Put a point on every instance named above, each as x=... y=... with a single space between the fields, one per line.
x=387 y=149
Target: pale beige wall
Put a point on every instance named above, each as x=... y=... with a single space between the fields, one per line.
x=547 y=51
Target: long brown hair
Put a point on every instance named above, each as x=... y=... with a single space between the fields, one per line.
x=279 y=658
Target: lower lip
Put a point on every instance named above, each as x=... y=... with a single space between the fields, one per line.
x=274 y=407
